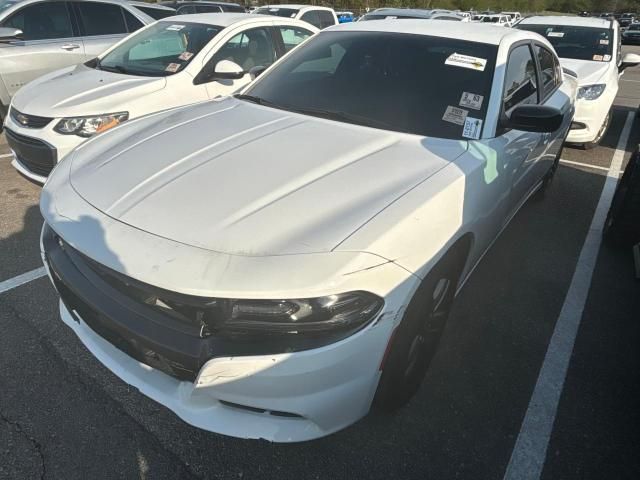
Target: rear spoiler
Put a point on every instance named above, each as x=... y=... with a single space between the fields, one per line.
x=569 y=72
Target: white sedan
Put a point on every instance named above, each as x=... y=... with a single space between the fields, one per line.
x=171 y=63
x=589 y=47
x=271 y=265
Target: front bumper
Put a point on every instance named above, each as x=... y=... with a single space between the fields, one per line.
x=590 y=115
x=285 y=397
x=37 y=151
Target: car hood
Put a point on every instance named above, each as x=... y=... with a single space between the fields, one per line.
x=588 y=72
x=237 y=178
x=81 y=90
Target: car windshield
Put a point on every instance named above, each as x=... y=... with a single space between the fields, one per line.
x=391 y=81
x=4 y=4
x=490 y=19
x=157 y=13
x=634 y=27
x=580 y=43
x=162 y=49
x=278 y=12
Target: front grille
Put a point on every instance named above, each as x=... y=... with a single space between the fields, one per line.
x=35 y=155
x=29 y=121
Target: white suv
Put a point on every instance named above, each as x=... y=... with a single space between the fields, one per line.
x=37 y=37
x=590 y=47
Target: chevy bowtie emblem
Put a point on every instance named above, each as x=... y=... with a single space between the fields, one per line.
x=22 y=119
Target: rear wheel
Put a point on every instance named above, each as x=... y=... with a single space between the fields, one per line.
x=416 y=339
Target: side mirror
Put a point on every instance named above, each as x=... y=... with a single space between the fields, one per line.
x=256 y=71
x=629 y=60
x=7 y=34
x=227 y=70
x=534 y=118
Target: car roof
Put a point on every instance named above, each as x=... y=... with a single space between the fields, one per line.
x=472 y=32
x=567 y=20
x=224 y=19
x=414 y=12
x=294 y=6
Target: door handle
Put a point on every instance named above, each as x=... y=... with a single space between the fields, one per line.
x=70 y=46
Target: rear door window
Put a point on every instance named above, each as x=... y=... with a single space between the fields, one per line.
x=293 y=36
x=326 y=18
x=100 y=19
x=132 y=22
x=312 y=18
x=42 y=21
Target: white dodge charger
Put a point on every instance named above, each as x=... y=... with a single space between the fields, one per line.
x=274 y=264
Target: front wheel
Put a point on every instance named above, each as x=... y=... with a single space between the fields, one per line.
x=416 y=339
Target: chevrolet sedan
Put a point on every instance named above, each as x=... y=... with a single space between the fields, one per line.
x=274 y=264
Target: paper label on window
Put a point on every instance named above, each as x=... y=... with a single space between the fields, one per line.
x=172 y=67
x=598 y=58
x=186 y=56
x=472 y=128
x=555 y=34
x=606 y=58
x=471 y=100
x=390 y=17
x=175 y=28
x=455 y=115
x=604 y=42
x=466 y=61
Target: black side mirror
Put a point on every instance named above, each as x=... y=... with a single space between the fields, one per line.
x=256 y=71
x=534 y=118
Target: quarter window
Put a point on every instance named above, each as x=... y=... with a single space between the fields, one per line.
x=251 y=48
x=521 y=86
x=42 y=21
x=548 y=69
x=133 y=23
x=293 y=36
x=326 y=18
x=312 y=18
x=100 y=19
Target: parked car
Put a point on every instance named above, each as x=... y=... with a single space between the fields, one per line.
x=319 y=17
x=203 y=6
x=622 y=227
x=626 y=19
x=590 y=47
x=499 y=20
x=174 y=62
x=514 y=17
x=39 y=36
x=154 y=10
x=410 y=13
x=631 y=35
x=270 y=265
x=477 y=18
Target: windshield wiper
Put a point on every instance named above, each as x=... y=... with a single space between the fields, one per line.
x=113 y=69
x=344 y=117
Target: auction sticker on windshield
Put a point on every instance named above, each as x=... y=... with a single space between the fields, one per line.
x=472 y=128
x=175 y=28
x=471 y=100
x=466 y=61
x=555 y=34
x=455 y=115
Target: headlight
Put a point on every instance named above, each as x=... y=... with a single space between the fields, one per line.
x=591 y=92
x=334 y=315
x=88 y=126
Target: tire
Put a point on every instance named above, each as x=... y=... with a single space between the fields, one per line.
x=603 y=130
x=415 y=340
x=622 y=226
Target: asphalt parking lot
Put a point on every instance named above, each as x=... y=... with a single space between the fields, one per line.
x=63 y=415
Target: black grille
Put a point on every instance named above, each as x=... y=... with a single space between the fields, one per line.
x=35 y=155
x=29 y=121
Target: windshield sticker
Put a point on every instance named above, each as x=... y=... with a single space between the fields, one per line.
x=471 y=100
x=606 y=58
x=598 y=58
x=555 y=34
x=186 y=56
x=172 y=67
x=455 y=115
x=175 y=28
x=604 y=42
x=472 y=128
x=390 y=17
x=466 y=61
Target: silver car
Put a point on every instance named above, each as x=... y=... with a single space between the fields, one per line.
x=39 y=36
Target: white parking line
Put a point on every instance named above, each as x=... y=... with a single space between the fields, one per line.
x=629 y=80
x=585 y=165
x=5 y=155
x=22 y=279
x=528 y=456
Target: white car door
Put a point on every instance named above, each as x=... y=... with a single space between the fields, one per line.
x=250 y=48
x=102 y=25
x=49 y=43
